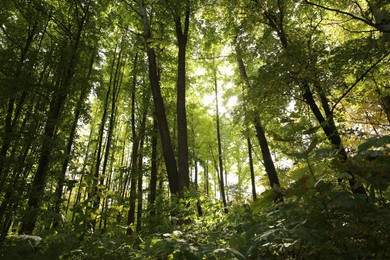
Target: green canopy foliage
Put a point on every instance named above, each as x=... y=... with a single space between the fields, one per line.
x=83 y=156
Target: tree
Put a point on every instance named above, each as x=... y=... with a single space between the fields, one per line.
x=182 y=135
x=159 y=108
x=57 y=102
x=220 y=157
x=260 y=133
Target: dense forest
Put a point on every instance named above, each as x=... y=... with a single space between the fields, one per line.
x=194 y=129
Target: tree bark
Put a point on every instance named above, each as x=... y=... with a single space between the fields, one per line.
x=134 y=154
x=329 y=127
x=260 y=134
x=72 y=134
x=182 y=131
x=53 y=120
x=140 y=181
x=38 y=184
x=159 y=108
x=253 y=180
x=13 y=114
x=153 y=170
x=327 y=123
x=94 y=196
x=221 y=179
x=267 y=158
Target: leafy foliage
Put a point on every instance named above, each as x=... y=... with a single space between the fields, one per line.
x=75 y=99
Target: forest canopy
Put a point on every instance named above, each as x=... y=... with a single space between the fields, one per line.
x=194 y=129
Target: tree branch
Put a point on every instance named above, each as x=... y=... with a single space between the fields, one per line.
x=359 y=79
x=131 y=7
x=368 y=22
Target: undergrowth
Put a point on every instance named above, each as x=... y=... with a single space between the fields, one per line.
x=318 y=219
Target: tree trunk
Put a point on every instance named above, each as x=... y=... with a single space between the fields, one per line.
x=182 y=133
x=94 y=196
x=153 y=170
x=53 y=120
x=140 y=180
x=61 y=178
x=206 y=176
x=134 y=155
x=159 y=108
x=329 y=127
x=11 y=116
x=38 y=184
x=260 y=134
x=221 y=182
x=253 y=180
x=111 y=125
x=267 y=158
x=15 y=188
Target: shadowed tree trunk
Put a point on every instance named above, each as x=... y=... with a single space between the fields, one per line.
x=53 y=119
x=275 y=19
x=253 y=180
x=134 y=154
x=39 y=181
x=136 y=164
x=267 y=158
x=221 y=178
x=329 y=127
x=182 y=133
x=153 y=170
x=14 y=190
x=94 y=195
x=140 y=180
x=13 y=113
x=260 y=134
x=67 y=155
x=159 y=108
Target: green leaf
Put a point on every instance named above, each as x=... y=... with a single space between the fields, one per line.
x=375 y=142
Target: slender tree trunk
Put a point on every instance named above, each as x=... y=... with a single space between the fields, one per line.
x=267 y=158
x=111 y=125
x=253 y=180
x=221 y=181
x=133 y=188
x=182 y=133
x=153 y=170
x=140 y=183
x=159 y=108
x=16 y=185
x=122 y=177
x=260 y=134
x=53 y=120
x=79 y=105
x=94 y=196
x=329 y=127
x=37 y=188
x=12 y=115
x=116 y=82
x=327 y=123
x=83 y=173
x=206 y=176
x=134 y=154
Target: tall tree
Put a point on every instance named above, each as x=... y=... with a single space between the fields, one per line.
x=253 y=180
x=78 y=109
x=274 y=17
x=182 y=131
x=220 y=158
x=159 y=108
x=260 y=133
x=54 y=116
